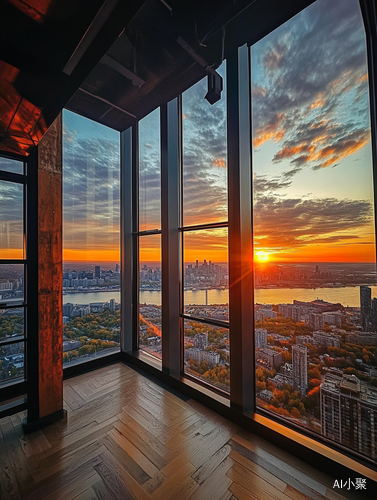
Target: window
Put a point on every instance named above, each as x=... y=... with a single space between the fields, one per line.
x=149 y=242
x=12 y=271
x=91 y=240
x=205 y=307
x=315 y=269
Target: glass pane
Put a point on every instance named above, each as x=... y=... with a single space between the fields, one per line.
x=91 y=240
x=316 y=355
x=11 y=362
x=11 y=324
x=205 y=197
x=90 y=329
x=11 y=283
x=11 y=220
x=150 y=172
x=14 y=166
x=150 y=317
x=206 y=280
x=207 y=353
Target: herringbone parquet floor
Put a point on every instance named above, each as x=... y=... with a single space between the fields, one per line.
x=127 y=438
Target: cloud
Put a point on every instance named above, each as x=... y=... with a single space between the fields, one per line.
x=11 y=209
x=292 y=222
x=310 y=92
x=262 y=184
x=204 y=151
x=219 y=162
x=91 y=192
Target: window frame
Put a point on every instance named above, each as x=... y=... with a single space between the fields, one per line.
x=18 y=385
x=242 y=358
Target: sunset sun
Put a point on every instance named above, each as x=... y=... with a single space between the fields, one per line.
x=262 y=256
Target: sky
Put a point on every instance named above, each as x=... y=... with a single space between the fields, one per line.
x=91 y=191
x=312 y=183
x=11 y=213
x=311 y=138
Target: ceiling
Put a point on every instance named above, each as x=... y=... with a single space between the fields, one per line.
x=114 y=61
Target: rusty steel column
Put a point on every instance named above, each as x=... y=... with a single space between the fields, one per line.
x=45 y=352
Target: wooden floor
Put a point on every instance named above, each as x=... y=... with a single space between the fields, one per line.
x=128 y=438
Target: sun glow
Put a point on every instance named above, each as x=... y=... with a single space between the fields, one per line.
x=261 y=256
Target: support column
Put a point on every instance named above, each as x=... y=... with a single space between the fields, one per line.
x=44 y=284
x=241 y=282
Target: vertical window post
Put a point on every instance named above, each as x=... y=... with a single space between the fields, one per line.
x=170 y=199
x=127 y=250
x=241 y=286
x=369 y=13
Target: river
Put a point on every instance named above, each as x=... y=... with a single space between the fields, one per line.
x=349 y=296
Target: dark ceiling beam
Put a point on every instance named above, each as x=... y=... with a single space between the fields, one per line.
x=96 y=25
x=39 y=78
x=122 y=70
x=99 y=98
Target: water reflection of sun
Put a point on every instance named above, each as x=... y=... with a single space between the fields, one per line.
x=261 y=256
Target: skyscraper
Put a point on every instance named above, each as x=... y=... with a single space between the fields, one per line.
x=374 y=315
x=68 y=309
x=349 y=413
x=97 y=271
x=300 y=368
x=260 y=338
x=365 y=307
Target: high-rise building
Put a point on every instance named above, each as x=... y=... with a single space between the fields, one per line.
x=260 y=338
x=374 y=315
x=68 y=309
x=316 y=321
x=112 y=305
x=97 y=271
x=269 y=358
x=349 y=413
x=201 y=340
x=300 y=368
x=365 y=307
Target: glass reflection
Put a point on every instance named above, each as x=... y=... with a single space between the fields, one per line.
x=150 y=172
x=315 y=270
x=150 y=315
x=91 y=240
x=11 y=223
x=206 y=353
x=11 y=362
x=14 y=166
x=204 y=156
x=206 y=280
x=12 y=284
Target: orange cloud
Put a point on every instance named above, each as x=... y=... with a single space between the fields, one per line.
x=338 y=153
x=219 y=162
x=272 y=130
x=319 y=103
x=11 y=253
x=287 y=152
x=81 y=255
x=364 y=78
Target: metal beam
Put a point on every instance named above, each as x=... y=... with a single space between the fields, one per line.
x=96 y=25
x=122 y=70
x=99 y=98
